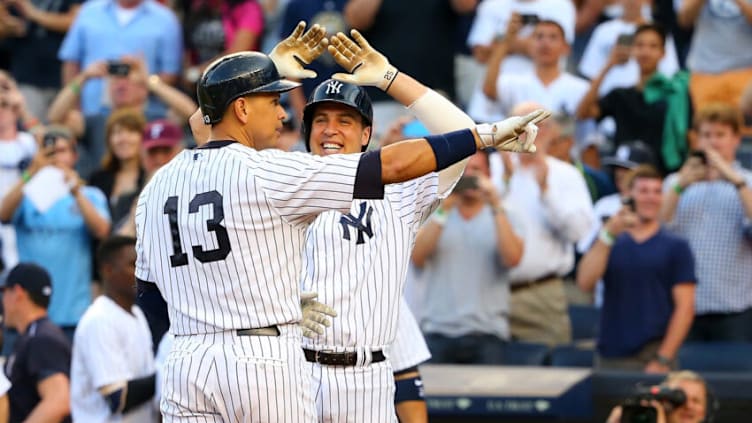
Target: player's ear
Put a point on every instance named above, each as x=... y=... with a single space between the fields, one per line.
x=241 y=108
x=365 y=136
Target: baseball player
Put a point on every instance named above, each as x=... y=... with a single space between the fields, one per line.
x=357 y=261
x=221 y=229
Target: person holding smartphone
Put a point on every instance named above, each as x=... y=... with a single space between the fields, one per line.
x=466 y=307
x=649 y=282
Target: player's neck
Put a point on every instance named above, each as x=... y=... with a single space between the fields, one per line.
x=32 y=315
x=547 y=73
x=223 y=133
x=124 y=301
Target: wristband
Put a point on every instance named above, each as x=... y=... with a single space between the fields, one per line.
x=75 y=88
x=25 y=176
x=389 y=76
x=452 y=147
x=440 y=216
x=605 y=237
x=678 y=189
x=663 y=360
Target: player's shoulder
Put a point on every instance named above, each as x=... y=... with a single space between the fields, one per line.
x=99 y=312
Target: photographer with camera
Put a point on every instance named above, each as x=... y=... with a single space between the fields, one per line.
x=649 y=282
x=683 y=397
x=466 y=308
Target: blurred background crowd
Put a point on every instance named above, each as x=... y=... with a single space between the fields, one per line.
x=625 y=242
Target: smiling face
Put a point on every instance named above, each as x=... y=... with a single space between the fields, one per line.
x=337 y=129
x=125 y=143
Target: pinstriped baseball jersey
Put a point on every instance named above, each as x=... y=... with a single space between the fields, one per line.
x=409 y=348
x=221 y=229
x=357 y=262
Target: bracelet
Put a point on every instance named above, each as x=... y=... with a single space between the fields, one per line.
x=440 y=216
x=25 y=176
x=741 y=184
x=498 y=208
x=678 y=189
x=605 y=237
x=75 y=87
x=662 y=359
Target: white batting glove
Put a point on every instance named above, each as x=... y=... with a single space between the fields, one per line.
x=505 y=135
x=298 y=49
x=315 y=315
x=366 y=65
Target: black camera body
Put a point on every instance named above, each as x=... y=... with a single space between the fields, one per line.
x=636 y=410
x=529 y=19
x=116 y=68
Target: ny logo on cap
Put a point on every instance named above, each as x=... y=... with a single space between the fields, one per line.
x=333 y=87
x=156 y=130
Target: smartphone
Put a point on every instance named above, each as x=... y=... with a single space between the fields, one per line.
x=529 y=19
x=465 y=183
x=116 y=68
x=49 y=140
x=625 y=39
x=700 y=155
x=629 y=202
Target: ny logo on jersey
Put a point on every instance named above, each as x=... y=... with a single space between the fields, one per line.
x=333 y=87
x=357 y=223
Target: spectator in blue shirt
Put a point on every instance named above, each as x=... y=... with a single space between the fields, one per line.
x=111 y=29
x=60 y=237
x=649 y=282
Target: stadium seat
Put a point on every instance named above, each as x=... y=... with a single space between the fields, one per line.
x=571 y=356
x=585 y=320
x=525 y=354
x=716 y=357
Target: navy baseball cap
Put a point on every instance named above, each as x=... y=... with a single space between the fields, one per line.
x=33 y=279
x=630 y=156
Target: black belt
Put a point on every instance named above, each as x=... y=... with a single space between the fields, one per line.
x=267 y=331
x=339 y=359
x=529 y=284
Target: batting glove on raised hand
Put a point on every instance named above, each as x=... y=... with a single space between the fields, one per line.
x=366 y=65
x=298 y=49
x=505 y=135
x=315 y=315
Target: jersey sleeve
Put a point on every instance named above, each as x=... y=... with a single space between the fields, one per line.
x=143 y=271
x=47 y=357
x=415 y=200
x=102 y=354
x=300 y=186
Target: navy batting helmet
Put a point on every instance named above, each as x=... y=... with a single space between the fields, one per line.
x=236 y=75
x=335 y=91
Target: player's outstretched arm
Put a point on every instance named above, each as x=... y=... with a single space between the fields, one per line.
x=298 y=49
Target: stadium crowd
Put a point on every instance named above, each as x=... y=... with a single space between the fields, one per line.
x=636 y=206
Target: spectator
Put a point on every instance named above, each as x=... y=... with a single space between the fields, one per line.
x=108 y=30
x=60 y=237
x=121 y=176
x=492 y=22
x=214 y=28
x=34 y=61
x=547 y=84
x=327 y=13
x=465 y=309
x=39 y=366
x=709 y=202
x=16 y=151
x=656 y=110
x=649 y=282
x=621 y=31
x=627 y=157
x=720 y=69
x=432 y=23
x=556 y=211
x=112 y=374
x=4 y=403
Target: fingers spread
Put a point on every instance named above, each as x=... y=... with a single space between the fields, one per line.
x=298 y=30
x=360 y=39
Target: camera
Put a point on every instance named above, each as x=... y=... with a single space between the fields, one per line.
x=49 y=140
x=700 y=155
x=625 y=39
x=116 y=68
x=634 y=409
x=528 y=19
x=465 y=183
x=629 y=202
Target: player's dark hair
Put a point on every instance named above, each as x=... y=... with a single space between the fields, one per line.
x=110 y=248
x=554 y=23
x=652 y=27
